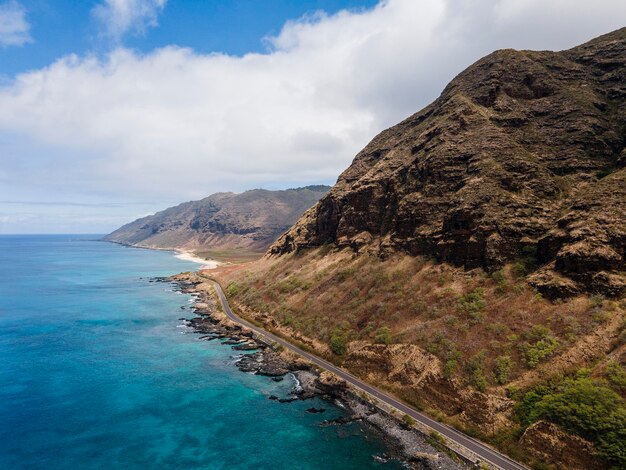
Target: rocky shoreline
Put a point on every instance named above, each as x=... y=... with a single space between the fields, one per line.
x=405 y=444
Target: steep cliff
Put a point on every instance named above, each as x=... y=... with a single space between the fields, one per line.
x=521 y=157
x=250 y=220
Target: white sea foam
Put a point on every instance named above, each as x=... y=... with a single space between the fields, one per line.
x=297 y=387
x=206 y=264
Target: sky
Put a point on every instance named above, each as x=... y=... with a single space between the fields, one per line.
x=114 y=109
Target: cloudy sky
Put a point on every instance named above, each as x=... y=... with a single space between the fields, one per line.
x=113 y=109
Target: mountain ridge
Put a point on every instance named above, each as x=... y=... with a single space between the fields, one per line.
x=506 y=164
x=250 y=220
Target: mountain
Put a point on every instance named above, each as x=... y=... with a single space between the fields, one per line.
x=251 y=220
x=522 y=156
x=471 y=259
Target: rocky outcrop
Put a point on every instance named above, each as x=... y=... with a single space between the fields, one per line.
x=522 y=156
x=251 y=220
x=417 y=375
x=549 y=444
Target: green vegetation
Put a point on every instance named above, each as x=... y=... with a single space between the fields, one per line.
x=473 y=304
x=476 y=370
x=503 y=365
x=583 y=406
x=408 y=420
x=543 y=344
x=437 y=441
x=451 y=365
x=292 y=284
x=500 y=280
x=383 y=336
x=527 y=263
x=616 y=374
x=233 y=289
x=339 y=341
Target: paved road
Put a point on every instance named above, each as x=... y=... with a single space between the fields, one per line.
x=486 y=454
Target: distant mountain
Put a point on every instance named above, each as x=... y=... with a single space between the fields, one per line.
x=250 y=220
x=521 y=157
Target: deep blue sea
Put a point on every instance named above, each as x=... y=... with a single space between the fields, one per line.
x=98 y=372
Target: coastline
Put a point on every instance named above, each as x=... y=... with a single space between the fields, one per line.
x=205 y=263
x=406 y=444
x=183 y=255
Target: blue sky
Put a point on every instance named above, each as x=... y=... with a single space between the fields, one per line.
x=114 y=109
x=59 y=27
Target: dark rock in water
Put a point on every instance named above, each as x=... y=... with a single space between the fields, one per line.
x=278 y=379
x=269 y=364
x=340 y=421
x=383 y=458
x=207 y=338
x=182 y=307
x=249 y=363
x=272 y=397
x=271 y=371
x=316 y=410
x=232 y=341
x=287 y=400
x=245 y=347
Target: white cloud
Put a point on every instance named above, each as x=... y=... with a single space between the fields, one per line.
x=174 y=124
x=120 y=17
x=14 y=28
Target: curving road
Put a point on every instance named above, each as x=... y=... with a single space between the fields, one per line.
x=486 y=454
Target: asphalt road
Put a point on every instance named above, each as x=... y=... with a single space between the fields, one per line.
x=485 y=453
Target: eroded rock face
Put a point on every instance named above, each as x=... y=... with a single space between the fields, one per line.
x=418 y=374
x=523 y=152
x=551 y=445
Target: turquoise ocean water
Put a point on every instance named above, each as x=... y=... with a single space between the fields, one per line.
x=97 y=371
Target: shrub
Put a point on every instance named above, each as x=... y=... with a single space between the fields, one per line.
x=383 y=336
x=338 y=342
x=233 y=289
x=450 y=367
x=452 y=356
x=503 y=368
x=436 y=440
x=345 y=274
x=527 y=263
x=476 y=369
x=292 y=283
x=473 y=303
x=540 y=350
x=583 y=406
x=498 y=276
x=408 y=420
x=616 y=375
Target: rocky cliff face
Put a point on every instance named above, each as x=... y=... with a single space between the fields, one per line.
x=522 y=156
x=251 y=220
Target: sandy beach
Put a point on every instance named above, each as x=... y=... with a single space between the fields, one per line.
x=206 y=264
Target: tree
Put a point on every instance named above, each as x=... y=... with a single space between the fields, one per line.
x=338 y=342
x=383 y=336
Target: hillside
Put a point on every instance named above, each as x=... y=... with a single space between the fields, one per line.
x=223 y=221
x=471 y=259
x=523 y=155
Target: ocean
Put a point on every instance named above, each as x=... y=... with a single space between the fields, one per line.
x=98 y=371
